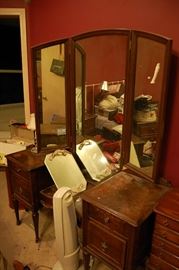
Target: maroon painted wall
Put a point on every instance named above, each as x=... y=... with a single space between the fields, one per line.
x=50 y=20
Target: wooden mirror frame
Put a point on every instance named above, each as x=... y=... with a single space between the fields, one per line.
x=68 y=107
x=155 y=177
x=102 y=33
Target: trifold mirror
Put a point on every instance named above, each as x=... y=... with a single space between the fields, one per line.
x=102 y=94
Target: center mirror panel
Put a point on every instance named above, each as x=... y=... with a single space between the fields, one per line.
x=50 y=89
x=101 y=62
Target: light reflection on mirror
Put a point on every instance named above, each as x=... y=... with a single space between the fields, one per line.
x=51 y=95
x=103 y=93
x=97 y=165
x=79 y=60
x=147 y=98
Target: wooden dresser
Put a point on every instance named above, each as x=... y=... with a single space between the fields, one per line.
x=118 y=220
x=26 y=177
x=165 y=243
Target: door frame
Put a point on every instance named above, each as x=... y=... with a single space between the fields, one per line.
x=23 y=35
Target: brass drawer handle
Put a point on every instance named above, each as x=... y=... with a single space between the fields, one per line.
x=104 y=246
x=18 y=170
x=165 y=222
x=106 y=220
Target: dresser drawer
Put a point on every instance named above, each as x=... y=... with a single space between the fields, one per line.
x=167 y=234
x=166 y=256
x=106 y=245
x=14 y=167
x=166 y=245
x=147 y=130
x=167 y=222
x=109 y=221
x=21 y=188
x=158 y=264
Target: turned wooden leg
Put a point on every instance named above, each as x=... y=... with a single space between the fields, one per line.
x=35 y=217
x=16 y=209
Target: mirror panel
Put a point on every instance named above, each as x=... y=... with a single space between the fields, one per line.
x=150 y=81
x=50 y=84
x=102 y=80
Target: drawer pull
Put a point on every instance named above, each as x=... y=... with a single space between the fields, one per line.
x=106 y=220
x=18 y=170
x=165 y=222
x=104 y=246
x=20 y=190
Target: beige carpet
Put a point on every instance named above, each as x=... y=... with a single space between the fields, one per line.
x=18 y=242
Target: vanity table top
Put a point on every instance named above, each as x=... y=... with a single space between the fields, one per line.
x=27 y=159
x=129 y=197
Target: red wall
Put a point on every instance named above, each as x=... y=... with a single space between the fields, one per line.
x=50 y=20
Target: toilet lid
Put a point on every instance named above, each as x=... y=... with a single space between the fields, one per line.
x=65 y=171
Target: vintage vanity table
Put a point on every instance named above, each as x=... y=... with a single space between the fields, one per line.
x=118 y=213
x=68 y=74
x=26 y=177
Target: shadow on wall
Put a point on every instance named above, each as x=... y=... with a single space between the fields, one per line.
x=174 y=66
x=11 y=113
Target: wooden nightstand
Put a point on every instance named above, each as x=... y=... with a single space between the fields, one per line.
x=165 y=243
x=118 y=220
x=145 y=130
x=89 y=123
x=26 y=177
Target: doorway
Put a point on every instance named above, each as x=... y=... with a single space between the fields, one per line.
x=14 y=83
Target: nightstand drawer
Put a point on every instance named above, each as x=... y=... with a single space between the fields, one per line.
x=165 y=256
x=14 y=167
x=167 y=222
x=146 y=130
x=105 y=244
x=165 y=245
x=158 y=264
x=108 y=220
x=21 y=188
x=167 y=234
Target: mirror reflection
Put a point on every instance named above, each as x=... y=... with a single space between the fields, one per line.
x=149 y=74
x=80 y=66
x=50 y=64
x=100 y=83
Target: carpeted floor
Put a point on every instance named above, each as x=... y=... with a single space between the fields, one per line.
x=17 y=242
